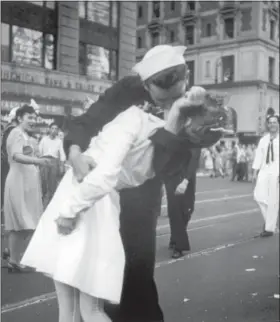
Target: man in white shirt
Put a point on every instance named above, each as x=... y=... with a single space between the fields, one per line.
x=241 y=162
x=51 y=146
x=266 y=176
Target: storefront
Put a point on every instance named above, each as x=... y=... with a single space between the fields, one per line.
x=61 y=53
x=58 y=95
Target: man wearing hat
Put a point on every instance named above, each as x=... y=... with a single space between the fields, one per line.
x=266 y=176
x=162 y=81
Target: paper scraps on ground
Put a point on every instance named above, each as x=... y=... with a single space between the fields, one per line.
x=250 y=270
x=186 y=300
x=255 y=256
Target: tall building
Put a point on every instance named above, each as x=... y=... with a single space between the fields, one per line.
x=233 y=46
x=58 y=53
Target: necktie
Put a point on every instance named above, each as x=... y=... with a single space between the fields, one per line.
x=270 y=151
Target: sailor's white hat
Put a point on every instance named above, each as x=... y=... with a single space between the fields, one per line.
x=159 y=58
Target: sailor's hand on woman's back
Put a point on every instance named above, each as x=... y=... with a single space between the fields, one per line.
x=81 y=163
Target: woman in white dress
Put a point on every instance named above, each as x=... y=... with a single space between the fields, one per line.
x=123 y=154
x=208 y=162
x=22 y=195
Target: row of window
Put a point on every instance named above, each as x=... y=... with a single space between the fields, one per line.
x=26 y=46
x=189 y=34
x=156 y=6
x=227 y=69
x=229 y=23
x=226 y=72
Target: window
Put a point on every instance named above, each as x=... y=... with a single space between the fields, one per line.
x=28 y=47
x=140 y=12
x=271 y=69
x=189 y=35
x=156 y=9
x=5 y=42
x=229 y=28
x=102 y=12
x=171 y=36
x=48 y=4
x=155 y=38
x=191 y=5
x=139 y=42
x=207 y=69
x=172 y=5
x=228 y=68
x=37 y=3
x=98 y=62
x=191 y=68
x=208 y=30
x=29 y=38
x=272 y=29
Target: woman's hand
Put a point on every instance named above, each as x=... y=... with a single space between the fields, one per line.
x=192 y=98
x=44 y=162
x=65 y=226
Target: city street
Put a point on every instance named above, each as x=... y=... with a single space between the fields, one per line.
x=230 y=274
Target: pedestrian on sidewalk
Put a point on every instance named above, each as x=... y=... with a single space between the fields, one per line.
x=219 y=171
x=4 y=156
x=5 y=166
x=208 y=162
x=180 y=191
x=266 y=176
x=233 y=160
x=51 y=146
x=22 y=195
x=241 y=162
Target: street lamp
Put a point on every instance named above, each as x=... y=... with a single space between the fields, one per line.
x=218 y=63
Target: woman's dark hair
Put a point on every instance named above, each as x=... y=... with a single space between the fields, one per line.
x=126 y=92
x=270 y=116
x=169 y=77
x=25 y=109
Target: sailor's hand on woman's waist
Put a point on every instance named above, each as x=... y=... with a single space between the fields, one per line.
x=82 y=164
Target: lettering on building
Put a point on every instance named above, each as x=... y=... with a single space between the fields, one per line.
x=52 y=80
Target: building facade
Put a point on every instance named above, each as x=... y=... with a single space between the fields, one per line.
x=233 y=46
x=60 y=53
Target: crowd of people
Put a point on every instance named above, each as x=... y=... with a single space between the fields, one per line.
x=93 y=229
x=232 y=160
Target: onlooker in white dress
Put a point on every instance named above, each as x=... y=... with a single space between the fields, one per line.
x=22 y=196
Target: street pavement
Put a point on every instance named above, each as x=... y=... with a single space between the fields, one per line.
x=230 y=274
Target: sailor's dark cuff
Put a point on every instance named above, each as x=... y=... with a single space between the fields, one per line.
x=167 y=140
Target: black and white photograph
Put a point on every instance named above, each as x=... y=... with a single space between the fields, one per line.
x=140 y=161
